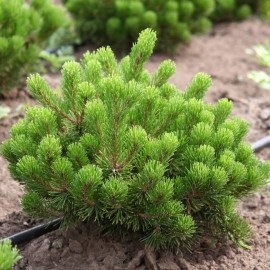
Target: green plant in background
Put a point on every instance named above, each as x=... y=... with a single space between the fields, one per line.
x=56 y=61
x=261 y=78
x=60 y=48
x=129 y=151
x=262 y=52
x=119 y=22
x=8 y=255
x=228 y=10
x=264 y=8
x=25 y=27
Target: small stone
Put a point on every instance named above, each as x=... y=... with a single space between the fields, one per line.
x=222 y=259
x=150 y=259
x=65 y=253
x=168 y=265
x=22 y=94
x=223 y=267
x=266 y=123
x=184 y=265
x=200 y=258
x=45 y=245
x=94 y=265
x=5 y=122
x=109 y=260
x=22 y=263
x=243 y=263
x=204 y=267
x=11 y=94
x=100 y=258
x=43 y=249
x=75 y=246
x=251 y=206
x=208 y=257
x=266 y=219
x=230 y=253
x=136 y=261
x=265 y=114
x=239 y=78
x=57 y=244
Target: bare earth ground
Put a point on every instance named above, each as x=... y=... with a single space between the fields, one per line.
x=222 y=55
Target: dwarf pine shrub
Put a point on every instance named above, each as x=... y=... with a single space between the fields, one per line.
x=119 y=22
x=229 y=10
x=24 y=28
x=264 y=8
x=8 y=255
x=126 y=149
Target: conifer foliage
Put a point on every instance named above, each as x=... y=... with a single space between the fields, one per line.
x=126 y=149
x=264 y=8
x=228 y=10
x=119 y=22
x=24 y=28
x=8 y=255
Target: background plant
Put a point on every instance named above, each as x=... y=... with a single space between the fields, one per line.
x=229 y=10
x=8 y=255
x=262 y=53
x=119 y=22
x=264 y=8
x=25 y=27
x=126 y=149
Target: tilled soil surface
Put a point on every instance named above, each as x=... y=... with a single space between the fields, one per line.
x=84 y=247
x=222 y=55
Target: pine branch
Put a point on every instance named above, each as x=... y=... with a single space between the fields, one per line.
x=41 y=91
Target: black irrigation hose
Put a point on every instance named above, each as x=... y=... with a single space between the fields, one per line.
x=34 y=232
x=259 y=145
x=42 y=229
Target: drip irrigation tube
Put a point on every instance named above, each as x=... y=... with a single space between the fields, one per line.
x=259 y=145
x=34 y=232
x=42 y=229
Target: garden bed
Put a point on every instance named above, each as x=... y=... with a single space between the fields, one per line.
x=222 y=55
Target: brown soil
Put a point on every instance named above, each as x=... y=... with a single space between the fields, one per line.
x=222 y=55
x=84 y=248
